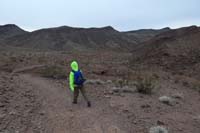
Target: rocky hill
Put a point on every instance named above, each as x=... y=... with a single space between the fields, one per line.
x=35 y=94
x=177 y=49
x=68 y=38
x=10 y=30
x=145 y=34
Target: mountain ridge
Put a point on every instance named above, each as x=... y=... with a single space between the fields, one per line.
x=68 y=38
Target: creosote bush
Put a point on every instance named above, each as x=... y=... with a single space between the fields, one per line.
x=121 y=82
x=145 y=83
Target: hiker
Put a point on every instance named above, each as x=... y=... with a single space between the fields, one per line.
x=76 y=83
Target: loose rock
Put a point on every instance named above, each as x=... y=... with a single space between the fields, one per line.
x=178 y=96
x=97 y=81
x=115 y=89
x=167 y=100
x=158 y=129
x=114 y=129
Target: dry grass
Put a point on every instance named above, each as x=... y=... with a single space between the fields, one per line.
x=55 y=71
x=146 y=82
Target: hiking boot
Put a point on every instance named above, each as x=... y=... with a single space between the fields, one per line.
x=88 y=104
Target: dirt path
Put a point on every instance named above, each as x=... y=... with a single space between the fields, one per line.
x=33 y=104
x=63 y=117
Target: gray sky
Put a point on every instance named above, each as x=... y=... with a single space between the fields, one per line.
x=123 y=15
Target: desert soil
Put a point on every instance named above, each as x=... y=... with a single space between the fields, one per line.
x=30 y=103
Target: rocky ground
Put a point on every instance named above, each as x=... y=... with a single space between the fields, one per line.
x=33 y=101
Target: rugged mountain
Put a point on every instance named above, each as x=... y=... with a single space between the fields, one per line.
x=176 y=50
x=68 y=38
x=10 y=30
x=145 y=34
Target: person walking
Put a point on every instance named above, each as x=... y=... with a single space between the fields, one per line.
x=76 y=83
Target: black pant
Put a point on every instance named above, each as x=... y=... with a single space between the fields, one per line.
x=76 y=93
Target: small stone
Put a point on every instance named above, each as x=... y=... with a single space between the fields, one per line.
x=114 y=129
x=160 y=123
x=167 y=100
x=110 y=92
x=135 y=122
x=97 y=81
x=197 y=118
x=115 y=89
x=145 y=106
x=100 y=82
x=106 y=96
x=125 y=111
x=109 y=82
x=112 y=104
x=178 y=96
x=158 y=129
x=127 y=89
x=42 y=113
x=2 y=116
x=12 y=113
x=2 y=105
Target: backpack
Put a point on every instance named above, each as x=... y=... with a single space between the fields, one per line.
x=78 y=77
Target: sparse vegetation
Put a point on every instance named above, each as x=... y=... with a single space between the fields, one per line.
x=196 y=86
x=121 y=82
x=54 y=71
x=145 y=84
x=114 y=80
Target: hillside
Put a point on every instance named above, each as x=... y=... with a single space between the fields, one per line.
x=68 y=38
x=10 y=30
x=176 y=50
x=144 y=35
x=71 y=38
x=162 y=90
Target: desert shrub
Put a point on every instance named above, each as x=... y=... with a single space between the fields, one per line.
x=196 y=86
x=145 y=84
x=54 y=71
x=121 y=82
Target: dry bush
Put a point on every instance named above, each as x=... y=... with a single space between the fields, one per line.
x=145 y=83
x=121 y=82
x=57 y=72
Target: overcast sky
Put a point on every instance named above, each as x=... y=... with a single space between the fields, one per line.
x=123 y=15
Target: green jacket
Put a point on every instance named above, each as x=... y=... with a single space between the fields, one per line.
x=74 y=66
